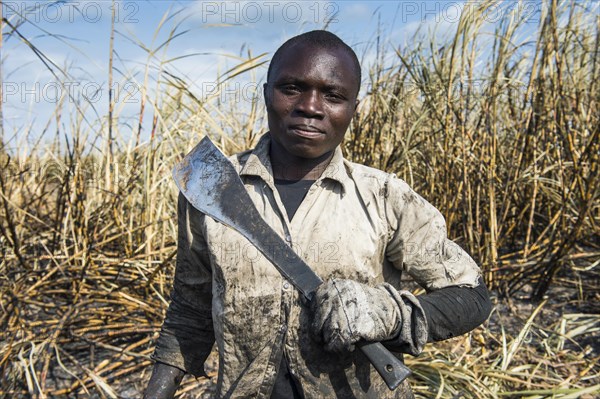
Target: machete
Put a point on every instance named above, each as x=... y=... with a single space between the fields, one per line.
x=212 y=185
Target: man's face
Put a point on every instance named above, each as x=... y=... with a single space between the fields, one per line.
x=310 y=99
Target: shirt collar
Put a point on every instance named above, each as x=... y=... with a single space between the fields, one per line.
x=259 y=164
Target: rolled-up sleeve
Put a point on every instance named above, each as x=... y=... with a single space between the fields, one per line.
x=418 y=242
x=187 y=334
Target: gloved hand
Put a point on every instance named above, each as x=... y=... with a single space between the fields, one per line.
x=346 y=312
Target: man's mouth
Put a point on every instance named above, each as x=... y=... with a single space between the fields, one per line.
x=307 y=131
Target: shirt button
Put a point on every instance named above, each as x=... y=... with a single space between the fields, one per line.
x=283 y=328
x=288 y=238
x=286 y=285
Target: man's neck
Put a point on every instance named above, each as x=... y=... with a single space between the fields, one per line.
x=290 y=167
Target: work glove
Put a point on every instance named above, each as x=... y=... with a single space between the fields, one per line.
x=346 y=312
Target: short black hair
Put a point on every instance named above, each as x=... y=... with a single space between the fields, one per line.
x=321 y=39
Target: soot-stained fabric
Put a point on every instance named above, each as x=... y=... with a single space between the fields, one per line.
x=355 y=223
x=291 y=192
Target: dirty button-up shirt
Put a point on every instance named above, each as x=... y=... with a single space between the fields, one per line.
x=356 y=223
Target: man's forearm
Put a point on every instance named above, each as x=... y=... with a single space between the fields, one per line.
x=453 y=311
x=164 y=381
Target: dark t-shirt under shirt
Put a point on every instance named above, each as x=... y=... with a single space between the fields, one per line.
x=292 y=192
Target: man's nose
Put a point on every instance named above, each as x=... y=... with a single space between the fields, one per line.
x=310 y=104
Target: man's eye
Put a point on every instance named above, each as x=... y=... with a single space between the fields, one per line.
x=335 y=97
x=290 y=89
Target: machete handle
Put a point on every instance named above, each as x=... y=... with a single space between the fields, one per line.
x=389 y=367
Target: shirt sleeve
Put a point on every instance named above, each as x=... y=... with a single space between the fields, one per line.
x=453 y=311
x=457 y=300
x=187 y=334
x=418 y=242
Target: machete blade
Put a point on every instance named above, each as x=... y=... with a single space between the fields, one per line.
x=212 y=185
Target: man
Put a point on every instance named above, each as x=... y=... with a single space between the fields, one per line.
x=357 y=227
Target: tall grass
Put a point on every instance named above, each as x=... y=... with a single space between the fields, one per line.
x=501 y=134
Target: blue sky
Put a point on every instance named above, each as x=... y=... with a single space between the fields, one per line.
x=214 y=36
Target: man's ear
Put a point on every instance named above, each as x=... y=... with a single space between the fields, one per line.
x=267 y=95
